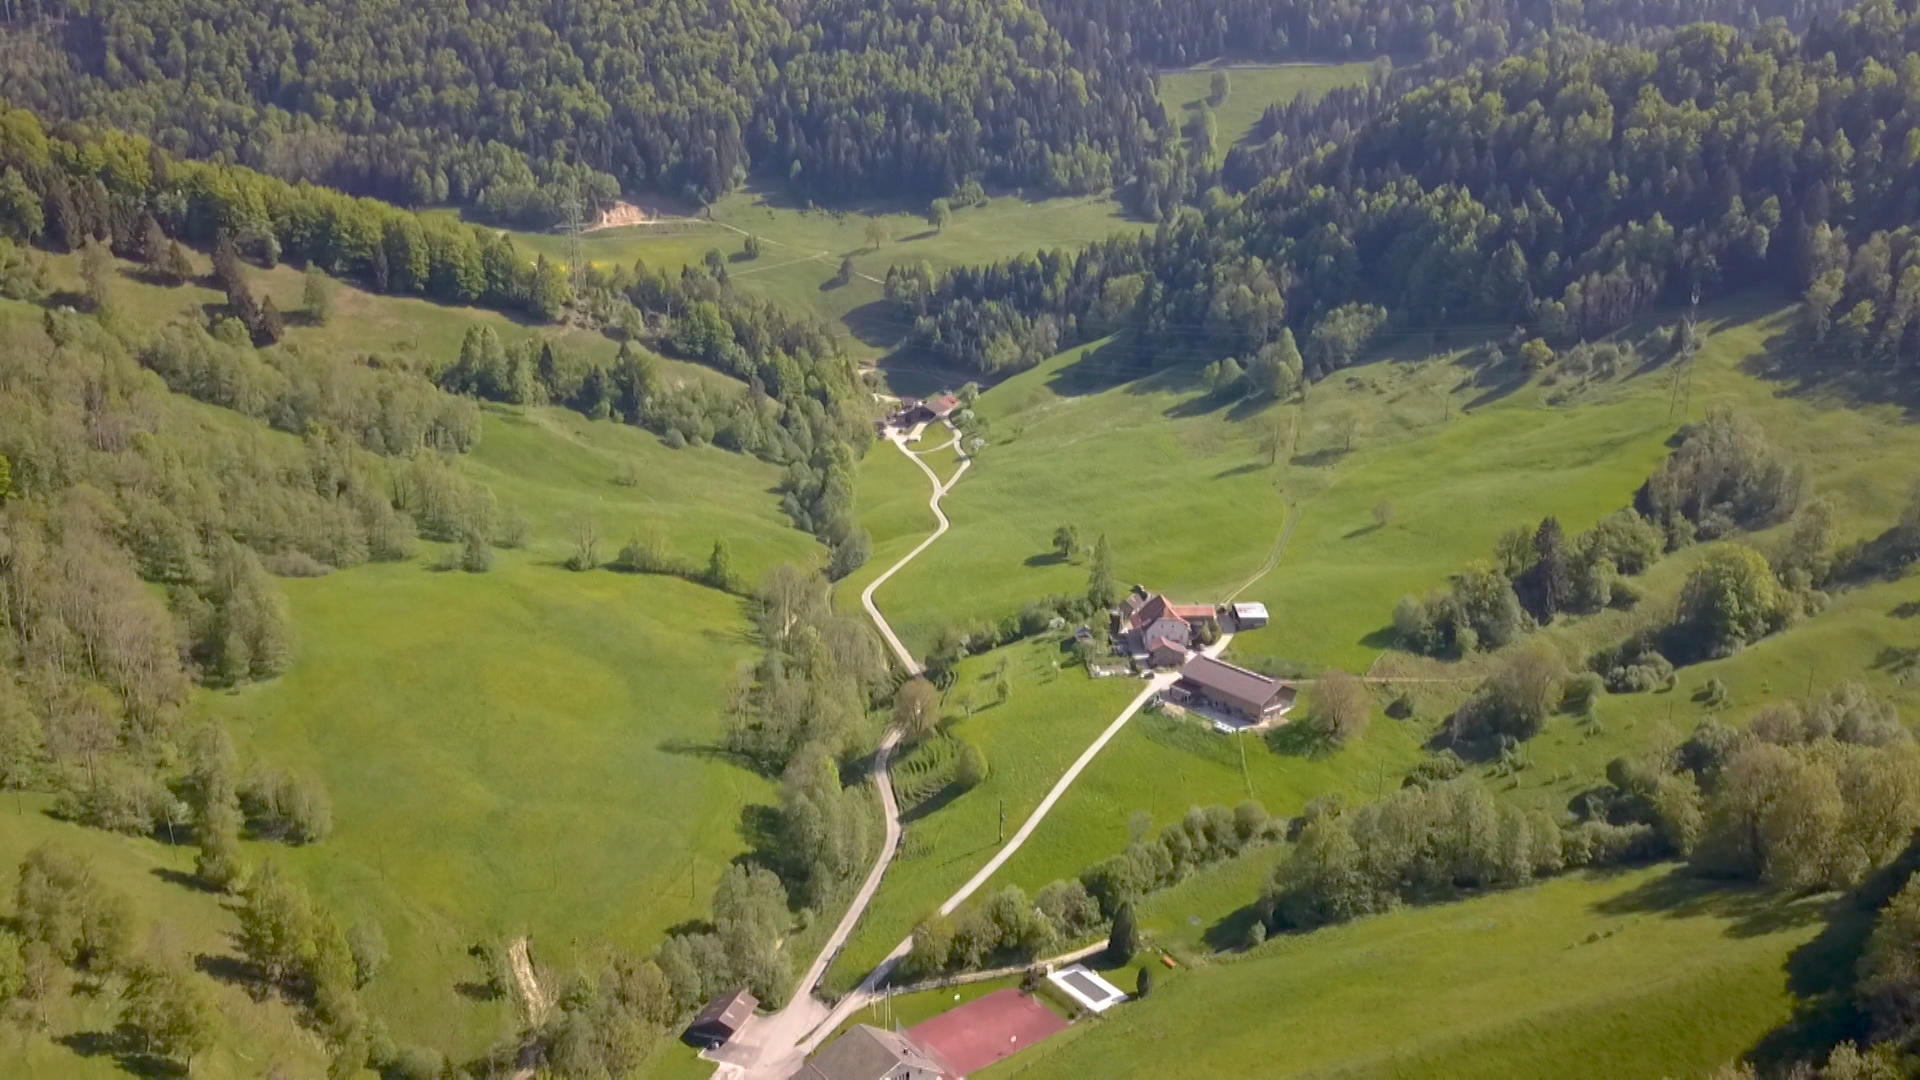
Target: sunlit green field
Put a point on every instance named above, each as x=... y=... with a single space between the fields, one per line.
x=175 y=923
x=527 y=750
x=1450 y=466
x=1638 y=974
x=1053 y=712
x=802 y=249
x=1249 y=91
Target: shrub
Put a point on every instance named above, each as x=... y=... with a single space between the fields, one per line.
x=1582 y=694
x=1641 y=671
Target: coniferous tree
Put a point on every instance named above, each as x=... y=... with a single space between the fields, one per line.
x=1103 y=589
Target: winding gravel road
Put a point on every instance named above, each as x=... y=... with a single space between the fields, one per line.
x=772 y=1047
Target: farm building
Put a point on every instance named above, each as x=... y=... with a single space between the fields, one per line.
x=1249 y=616
x=1245 y=694
x=925 y=412
x=867 y=1053
x=1158 y=632
x=721 y=1019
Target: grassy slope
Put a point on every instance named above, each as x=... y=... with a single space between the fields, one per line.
x=1250 y=91
x=505 y=755
x=173 y=922
x=420 y=334
x=803 y=249
x=1165 y=494
x=558 y=466
x=516 y=751
x=1631 y=975
x=1028 y=741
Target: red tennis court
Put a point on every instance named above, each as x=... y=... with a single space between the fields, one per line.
x=979 y=1033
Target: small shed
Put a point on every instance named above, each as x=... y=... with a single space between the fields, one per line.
x=1089 y=990
x=721 y=1020
x=1250 y=616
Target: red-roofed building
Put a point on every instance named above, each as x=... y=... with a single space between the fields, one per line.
x=1158 y=632
x=913 y=412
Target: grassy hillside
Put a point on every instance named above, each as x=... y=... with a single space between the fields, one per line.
x=1053 y=712
x=419 y=334
x=523 y=751
x=1640 y=974
x=1250 y=90
x=175 y=922
x=802 y=249
x=1191 y=506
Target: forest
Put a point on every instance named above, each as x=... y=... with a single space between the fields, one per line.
x=529 y=112
x=1564 y=193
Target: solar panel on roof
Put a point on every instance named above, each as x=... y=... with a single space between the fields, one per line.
x=1093 y=990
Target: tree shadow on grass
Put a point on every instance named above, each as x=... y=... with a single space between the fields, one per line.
x=1230 y=932
x=1200 y=404
x=760 y=827
x=184 y=880
x=1383 y=638
x=123 y=1044
x=476 y=991
x=1115 y=362
x=1908 y=610
x=706 y=750
x=932 y=805
x=1810 y=368
x=876 y=323
x=1326 y=456
x=1753 y=910
x=1821 y=973
x=234 y=971
x=1299 y=739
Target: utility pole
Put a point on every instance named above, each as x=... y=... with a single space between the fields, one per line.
x=1003 y=822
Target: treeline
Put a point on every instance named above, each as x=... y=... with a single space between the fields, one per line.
x=803 y=407
x=1007 y=927
x=1724 y=476
x=1808 y=799
x=1169 y=33
x=1570 y=190
x=108 y=186
x=522 y=110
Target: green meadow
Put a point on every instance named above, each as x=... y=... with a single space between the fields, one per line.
x=175 y=923
x=524 y=751
x=1185 y=492
x=1637 y=974
x=528 y=750
x=1250 y=90
x=421 y=335
x=802 y=248
x=1052 y=712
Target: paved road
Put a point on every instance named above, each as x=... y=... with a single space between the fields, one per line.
x=771 y=1047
